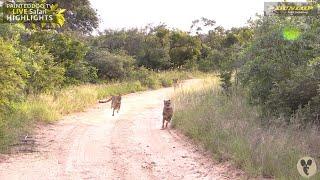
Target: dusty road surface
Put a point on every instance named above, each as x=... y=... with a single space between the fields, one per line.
x=95 y=145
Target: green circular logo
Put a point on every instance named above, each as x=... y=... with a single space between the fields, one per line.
x=291 y=33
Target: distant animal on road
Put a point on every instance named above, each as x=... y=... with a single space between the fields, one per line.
x=176 y=83
x=167 y=113
x=115 y=103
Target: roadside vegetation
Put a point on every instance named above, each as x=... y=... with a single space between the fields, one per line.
x=263 y=112
x=229 y=127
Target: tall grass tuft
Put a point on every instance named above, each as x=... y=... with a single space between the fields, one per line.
x=231 y=129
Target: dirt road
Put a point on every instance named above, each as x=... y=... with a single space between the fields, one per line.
x=95 y=145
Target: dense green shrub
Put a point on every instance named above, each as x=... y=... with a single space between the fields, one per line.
x=14 y=33
x=280 y=74
x=154 y=55
x=110 y=66
x=211 y=61
x=183 y=48
x=67 y=51
x=43 y=73
x=146 y=77
x=11 y=74
x=166 y=82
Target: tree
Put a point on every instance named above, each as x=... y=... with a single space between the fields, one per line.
x=149 y=46
x=184 y=48
x=110 y=66
x=199 y=25
x=278 y=73
x=13 y=33
x=68 y=52
x=12 y=73
x=43 y=73
x=154 y=53
x=129 y=41
x=211 y=60
x=80 y=16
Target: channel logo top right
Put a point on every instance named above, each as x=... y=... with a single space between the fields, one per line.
x=309 y=8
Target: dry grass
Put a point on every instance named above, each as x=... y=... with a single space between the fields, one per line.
x=230 y=128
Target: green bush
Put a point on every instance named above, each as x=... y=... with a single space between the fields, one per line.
x=13 y=33
x=282 y=75
x=43 y=73
x=211 y=61
x=165 y=82
x=12 y=72
x=140 y=74
x=152 y=82
x=68 y=52
x=110 y=66
x=154 y=54
x=147 y=77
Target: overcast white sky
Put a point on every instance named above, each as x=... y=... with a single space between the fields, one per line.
x=117 y=14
